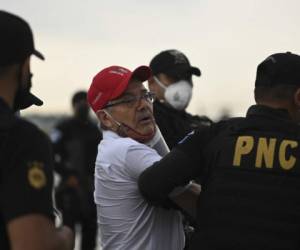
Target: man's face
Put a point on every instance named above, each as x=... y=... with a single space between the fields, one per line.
x=137 y=114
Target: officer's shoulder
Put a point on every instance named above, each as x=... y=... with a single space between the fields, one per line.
x=199 y=119
x=220 y=126
x=226 y=125
x=28 y=132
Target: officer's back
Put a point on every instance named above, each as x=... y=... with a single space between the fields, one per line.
x=251 y=195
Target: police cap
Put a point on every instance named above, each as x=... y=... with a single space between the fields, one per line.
x=16 y=42
x=279 y=69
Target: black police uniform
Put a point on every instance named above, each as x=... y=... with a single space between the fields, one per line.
x=75 y=152
x=176 y=124
x=26 y=167
x=250 y=170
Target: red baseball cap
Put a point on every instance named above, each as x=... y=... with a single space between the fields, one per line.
x=111 y=82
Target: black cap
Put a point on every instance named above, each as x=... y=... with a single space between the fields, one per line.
x=173 y=63
x=16 y=42
x=279 y=69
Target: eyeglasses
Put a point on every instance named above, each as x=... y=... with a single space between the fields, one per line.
x=131 y=101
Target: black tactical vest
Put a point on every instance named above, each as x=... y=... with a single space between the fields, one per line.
x=251 y=196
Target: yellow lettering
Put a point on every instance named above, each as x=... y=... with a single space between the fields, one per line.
x=265 y=152
x=285 y=163
x=243 y=146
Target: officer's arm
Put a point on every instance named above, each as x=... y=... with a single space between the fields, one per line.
x=158 y=181
x=182 y=164
x=187 y=200
x=37 y=232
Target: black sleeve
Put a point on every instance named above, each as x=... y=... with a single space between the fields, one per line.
x=182 y=164
x=28 y=178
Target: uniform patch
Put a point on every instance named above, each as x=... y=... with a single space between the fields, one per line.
x=36 y=175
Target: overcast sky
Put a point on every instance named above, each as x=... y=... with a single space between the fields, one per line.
x=225 y=39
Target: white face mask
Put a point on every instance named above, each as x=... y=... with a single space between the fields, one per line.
x=178 y=94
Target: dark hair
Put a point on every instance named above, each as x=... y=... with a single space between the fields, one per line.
x=78 y=96
x=275 y=93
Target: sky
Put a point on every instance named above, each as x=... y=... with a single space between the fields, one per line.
x=225 y=39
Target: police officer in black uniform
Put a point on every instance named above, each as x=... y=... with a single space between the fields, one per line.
x=26 y=210
x=75 y=142
x=250 y=168
x=172 y=84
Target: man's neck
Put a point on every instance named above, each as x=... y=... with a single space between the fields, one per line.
x=274 y=105
x=280 y=105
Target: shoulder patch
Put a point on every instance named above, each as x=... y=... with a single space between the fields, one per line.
x=36 y=175
x=55 y=135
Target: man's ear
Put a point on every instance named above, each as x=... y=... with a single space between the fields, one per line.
x=105 y=119
x=297 y=97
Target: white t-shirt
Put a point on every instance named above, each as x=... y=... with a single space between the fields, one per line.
x=126 y=221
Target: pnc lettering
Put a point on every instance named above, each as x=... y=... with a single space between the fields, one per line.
x=265 y=149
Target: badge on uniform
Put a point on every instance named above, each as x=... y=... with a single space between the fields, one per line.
x=36 y=175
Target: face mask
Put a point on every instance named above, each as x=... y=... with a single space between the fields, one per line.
x=124 y=130
x=178 y=94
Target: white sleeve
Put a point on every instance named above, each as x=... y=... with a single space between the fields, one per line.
x=138 y=158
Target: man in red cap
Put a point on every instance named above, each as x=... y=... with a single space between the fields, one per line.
x=124 y=109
